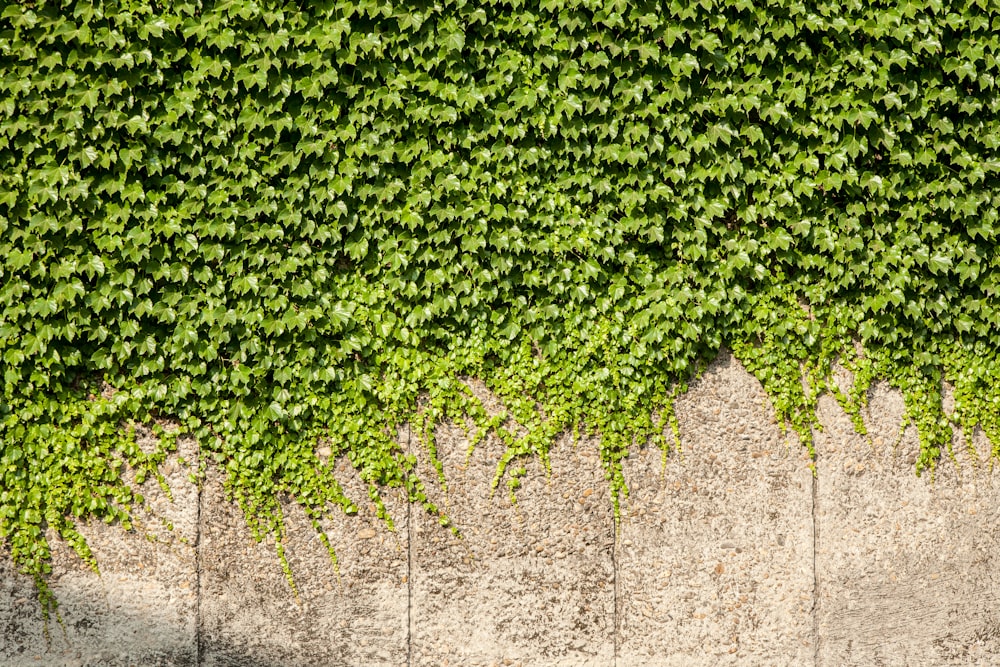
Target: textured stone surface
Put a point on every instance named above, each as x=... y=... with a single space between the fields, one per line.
x=529 y=584
x=249 y=614
x=140 y=611
x=715 y=552
x=731 y=554
x=908 y=567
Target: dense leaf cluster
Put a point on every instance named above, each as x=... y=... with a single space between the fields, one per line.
x=284 y=225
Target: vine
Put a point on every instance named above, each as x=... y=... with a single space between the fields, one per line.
x=286 y=226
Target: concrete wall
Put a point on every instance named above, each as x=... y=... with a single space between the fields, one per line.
x=733 y=553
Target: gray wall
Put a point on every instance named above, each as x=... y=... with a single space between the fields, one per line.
x=733 y=553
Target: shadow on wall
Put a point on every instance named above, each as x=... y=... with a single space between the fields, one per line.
x=204 y=592
x=731 y=553
x=92 y=636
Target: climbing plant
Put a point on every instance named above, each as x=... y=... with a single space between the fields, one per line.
x=276 y=224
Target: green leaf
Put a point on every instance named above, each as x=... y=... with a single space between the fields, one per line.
x=939 y=262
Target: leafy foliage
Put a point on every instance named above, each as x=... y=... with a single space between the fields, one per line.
x=280 y=224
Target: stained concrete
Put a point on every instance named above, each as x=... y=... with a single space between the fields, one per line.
x=733 y=553
x=249 y=614
x=908 y=568
x=715 y=553
x=530 y=583
x=140 y=610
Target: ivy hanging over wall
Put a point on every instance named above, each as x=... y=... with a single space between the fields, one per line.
x=284 y=225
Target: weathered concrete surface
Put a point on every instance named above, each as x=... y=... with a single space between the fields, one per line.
x=715 y=552
x=529 y=584
x=715 y=562
x=249 y=614
x=140 y=611
x=908 y=568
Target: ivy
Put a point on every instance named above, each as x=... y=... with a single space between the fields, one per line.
x=284 y=227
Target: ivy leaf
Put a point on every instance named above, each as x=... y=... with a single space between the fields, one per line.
x=939 y=262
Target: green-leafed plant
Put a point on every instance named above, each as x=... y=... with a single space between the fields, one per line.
x=279 y=224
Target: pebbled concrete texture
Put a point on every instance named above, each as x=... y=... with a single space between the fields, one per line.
x=715 y=552
x=731 y=554
x=908 y=568
x=530 y=583
x=249 y=614
x=140 y=610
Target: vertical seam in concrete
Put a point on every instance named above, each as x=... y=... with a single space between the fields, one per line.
x=614 y=584
x=815 y=546
x=197 y=573
x=409 y=565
